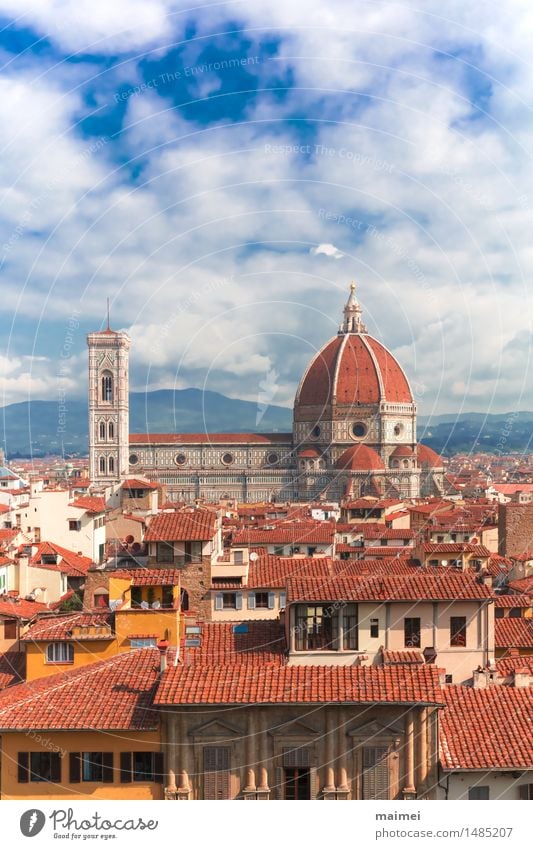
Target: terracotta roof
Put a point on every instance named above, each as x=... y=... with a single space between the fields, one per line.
x=304 y=534
x=19 y=608
x=518 y=600
x=262 y=644
x=12 y=666
x=388 y=533
x=427 y=457
x=309 y=452
x=513 y=633
x=404 y=656
x=257 y=684
x=211 y=438
x=486 y=728
x=174 y=527
x=89 y=503
x=402 y=451
x=353 y=369
x=422 y=586
x=513 y=662
x=111 y=694
x=455 y=548
x=154 y=577
x=522 y=585
x=70 y=563
x=394 y=566
x=360 y=458
x=60 y=627
x=271 y=571
x=138 y=483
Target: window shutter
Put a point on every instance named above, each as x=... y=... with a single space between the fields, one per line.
x=74 y=767
x=251 y=601
x=238 y=601
x=271 y=600
x=314 y=781
x=283 y=599
x=107 y=767
x=125 y=767
x=216 y=772
x=55 y=767
x=375 y=772
x=158 y=767
x=23 y=760
x=218 y=601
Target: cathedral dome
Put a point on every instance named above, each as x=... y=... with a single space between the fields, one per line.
x=428 y=457
x=360 y=458
x=353 y=368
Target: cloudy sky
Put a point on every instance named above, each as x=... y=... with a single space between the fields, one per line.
x=222 y=171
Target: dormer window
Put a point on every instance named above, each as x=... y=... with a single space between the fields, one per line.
x=60 y=653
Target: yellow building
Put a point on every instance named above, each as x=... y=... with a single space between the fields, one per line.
x=112 y=748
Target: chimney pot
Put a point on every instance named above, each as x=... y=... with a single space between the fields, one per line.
x=163 y=651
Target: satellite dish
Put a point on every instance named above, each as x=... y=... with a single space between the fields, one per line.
x=254 y=556
x=145 y=605
x=37 y=592
x=444 y=562
x=156 y=605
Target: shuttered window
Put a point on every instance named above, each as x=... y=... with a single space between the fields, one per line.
x=45 y=766
x=375 y=772
x=138 y=766
x=216 y=772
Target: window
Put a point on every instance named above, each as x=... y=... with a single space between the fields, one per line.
x=278 y=550
x=134 y=459
x=316 y=431
x=101 y=465
x=227 y=459
x=229 y=601
x=316 y=627
x=458 y=631
x=350 y=635
x=272 y=458
x=73 y=525
x=515 y=613
x=358 y=430
x=91 y=766
x=375 y=772
x=164 y=552
x=141 y=766
x=525 y=791
x=39 y=766
x=448 y=679
x=60 y=653
x=216 y=771
x=111 y=430
x=238 y=557
x=498 y=613
x=180 y=459
x=143 y=642
x=374 y=628
x=107 y=386
x=111 y=464
x=412 y=632
x=102 y=430
x=311 y=550
x=261 y=600
x=479 y=792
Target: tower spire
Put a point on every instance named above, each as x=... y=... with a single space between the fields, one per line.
x=353 y=322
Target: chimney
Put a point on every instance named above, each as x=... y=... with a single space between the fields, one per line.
x=521 y=677
x=163 y=651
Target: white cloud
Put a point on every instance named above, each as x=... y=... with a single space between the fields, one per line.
x=327 y=250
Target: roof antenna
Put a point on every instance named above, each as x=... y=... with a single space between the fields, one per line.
x=108 y=327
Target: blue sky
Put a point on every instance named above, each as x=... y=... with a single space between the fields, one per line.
x=222 y=172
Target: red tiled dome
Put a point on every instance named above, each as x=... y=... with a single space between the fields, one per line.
x=428 y=457
x=360 y=458
x=403 y=451
x=353 y=368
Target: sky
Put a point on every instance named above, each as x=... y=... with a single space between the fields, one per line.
x=222 y=171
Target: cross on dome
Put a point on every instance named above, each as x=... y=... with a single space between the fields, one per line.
x=353 y=322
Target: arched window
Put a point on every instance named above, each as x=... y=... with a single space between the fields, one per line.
x=111 y=430
x=101 y=464
x=111 y=464
x=107 y=386
x=102 y=430
x=406 y=464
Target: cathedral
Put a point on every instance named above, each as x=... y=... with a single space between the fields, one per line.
x=354 y=432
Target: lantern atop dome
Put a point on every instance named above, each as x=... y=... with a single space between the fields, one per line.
x=353 y=322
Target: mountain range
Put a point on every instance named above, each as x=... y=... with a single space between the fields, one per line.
x=33 y=428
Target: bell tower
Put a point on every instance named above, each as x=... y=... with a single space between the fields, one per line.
x=108 y=406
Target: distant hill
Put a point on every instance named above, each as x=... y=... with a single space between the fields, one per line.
x=31 y=428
